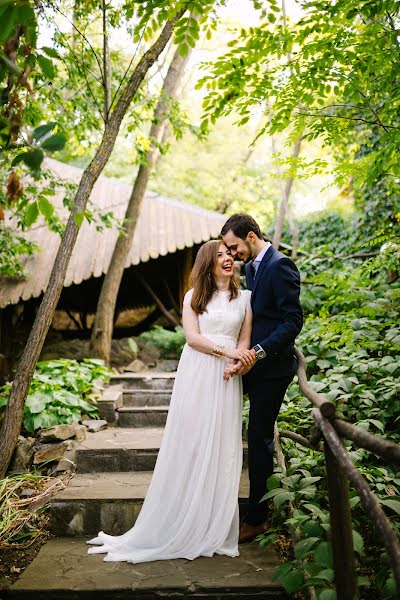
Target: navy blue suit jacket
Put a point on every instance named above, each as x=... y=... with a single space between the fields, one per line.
x=277 y=314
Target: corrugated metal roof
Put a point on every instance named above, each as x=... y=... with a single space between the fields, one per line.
x=164 y=226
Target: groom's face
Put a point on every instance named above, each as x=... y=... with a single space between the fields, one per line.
x=240 y=249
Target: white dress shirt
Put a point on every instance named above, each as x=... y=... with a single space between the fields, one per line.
x=259 y=257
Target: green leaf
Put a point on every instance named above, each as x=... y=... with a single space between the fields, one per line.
x=37 y=402
x=327 y=595
x=302 y=548
x=52 y=52
x=323 y=364
x=8 y=20
x=323 y=555
x=40 y=131
x=326 y=575
x=33 y=159
x=292 y=581
x=377 y=424
x=391 y=503
x=283 y=497
x=274 y=481
x=306 y=481
x=183 y=49
x=358 y=542
x=282 y=570
x=54 y=142
x=46 y=66
x=363 y=581
x=78 y=218
x=32 y=214
x=312 y=529
x=45 y=207
x=44 y=420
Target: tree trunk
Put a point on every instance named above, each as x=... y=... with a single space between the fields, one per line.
x=285 y=195
x=103 y=324
x=11 y=424
x=106 y=64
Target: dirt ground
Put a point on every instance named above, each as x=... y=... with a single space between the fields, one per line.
x=14 y=560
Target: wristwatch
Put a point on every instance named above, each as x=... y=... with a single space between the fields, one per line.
x=260 y=352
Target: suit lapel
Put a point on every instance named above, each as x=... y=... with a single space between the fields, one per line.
x=267 y=257
x=249 y=278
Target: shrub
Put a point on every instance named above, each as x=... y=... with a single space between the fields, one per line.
x=169 y=343
x=62 y=391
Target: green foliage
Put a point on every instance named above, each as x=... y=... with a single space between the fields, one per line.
x=351 y=341
x=12 y=247
x=168 y=342
x=62 y=391
x=333 y=75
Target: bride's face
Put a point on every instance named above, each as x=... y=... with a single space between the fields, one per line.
x=224 y=264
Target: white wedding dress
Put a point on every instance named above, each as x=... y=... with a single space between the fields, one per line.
x=191 y=507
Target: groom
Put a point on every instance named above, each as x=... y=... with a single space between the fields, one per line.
x=277 y=319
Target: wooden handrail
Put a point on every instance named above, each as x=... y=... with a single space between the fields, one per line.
x=326 y=407
x=367 y=497
x=339 y=467
x=375 y=443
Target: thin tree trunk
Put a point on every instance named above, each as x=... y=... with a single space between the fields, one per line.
x=284 y=211
x=103 y=324
x=106 y=65
x=285 y=195
x=11 y=424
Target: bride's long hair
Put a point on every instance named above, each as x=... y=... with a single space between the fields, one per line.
x=202 y=278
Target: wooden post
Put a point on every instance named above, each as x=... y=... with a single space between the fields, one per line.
x=341 y=529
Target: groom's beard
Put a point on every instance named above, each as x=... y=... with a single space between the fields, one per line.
x=249 y=257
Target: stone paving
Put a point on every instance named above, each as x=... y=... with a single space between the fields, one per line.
x=114 y=468
x=75 y=574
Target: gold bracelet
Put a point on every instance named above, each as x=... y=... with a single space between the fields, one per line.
x=217 y=350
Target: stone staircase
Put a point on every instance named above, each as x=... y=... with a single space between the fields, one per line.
x=114 y=468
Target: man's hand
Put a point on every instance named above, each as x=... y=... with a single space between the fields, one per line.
x=239 y=368
x=243 y=369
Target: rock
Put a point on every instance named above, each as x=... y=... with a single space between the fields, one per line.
x=23 y=454
x=149 y=354
x=167 y=365
x=50 y=452
x=94 y=425
x=59 y=433
x=68 y=461
x=136 y=366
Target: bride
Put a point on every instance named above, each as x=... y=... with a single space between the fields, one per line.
x=191 y=507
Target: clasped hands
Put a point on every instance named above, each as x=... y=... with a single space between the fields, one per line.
x=244 y=360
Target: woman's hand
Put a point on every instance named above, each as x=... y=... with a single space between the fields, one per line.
x=242 y=354
x=230 y=371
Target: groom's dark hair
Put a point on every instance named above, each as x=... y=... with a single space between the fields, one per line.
x=241 y=224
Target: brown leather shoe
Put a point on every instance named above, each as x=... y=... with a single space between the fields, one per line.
x=250 y=532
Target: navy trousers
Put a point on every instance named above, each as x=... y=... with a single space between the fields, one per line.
x=266 y=397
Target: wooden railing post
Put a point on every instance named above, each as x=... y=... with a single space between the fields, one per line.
x=341 y=529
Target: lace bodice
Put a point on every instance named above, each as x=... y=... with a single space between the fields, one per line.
x=223 y=317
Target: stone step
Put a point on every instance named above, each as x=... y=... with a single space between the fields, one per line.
x=146 y=380
x=107 y=502
x=64 y=571
x=119 y=449
x=140 y=397
x=143 y=416
x=122 y=449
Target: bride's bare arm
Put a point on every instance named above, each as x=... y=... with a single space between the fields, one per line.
x=243 y=342
x=199 y=342
x=245 y=331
